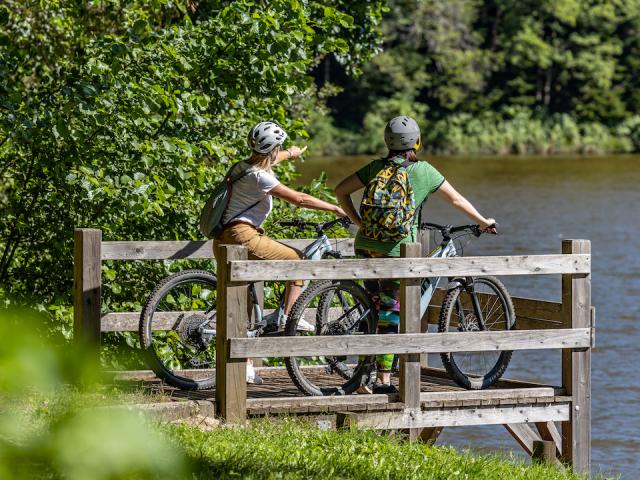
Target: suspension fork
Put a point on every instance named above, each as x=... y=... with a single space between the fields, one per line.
x=475 y=303
x=468 y=285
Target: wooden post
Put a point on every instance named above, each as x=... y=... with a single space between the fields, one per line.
x=231 y=384
x=410 y=323
x=576 y=366
x=425 y=242
x=87 y=286
x=544 y=451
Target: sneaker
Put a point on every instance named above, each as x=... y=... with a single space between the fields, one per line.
x=304 y=326
x=385 y=388
x=252 y=377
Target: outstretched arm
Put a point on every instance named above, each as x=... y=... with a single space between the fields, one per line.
x=304 y=200
x=452 y=196
x=290 y=152
x=343 y=192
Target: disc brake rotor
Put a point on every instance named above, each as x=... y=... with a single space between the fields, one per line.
x=470 y=323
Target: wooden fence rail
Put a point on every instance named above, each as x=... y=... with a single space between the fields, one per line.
x=575 y=338
x=566 y=325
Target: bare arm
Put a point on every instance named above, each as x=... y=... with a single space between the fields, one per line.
x=304 y=200
x=290 y=152
x=452 y=196
x=343 y=192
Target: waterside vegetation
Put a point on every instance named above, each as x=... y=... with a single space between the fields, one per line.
x=494 y=76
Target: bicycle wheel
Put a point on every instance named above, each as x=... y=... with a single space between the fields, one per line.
x=338 y=307
x=477 y=370
x=177 y=329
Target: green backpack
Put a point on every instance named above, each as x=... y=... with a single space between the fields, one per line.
x=388 y=207
x=213 y=211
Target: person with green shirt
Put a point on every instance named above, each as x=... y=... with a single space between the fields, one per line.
x=402 y=137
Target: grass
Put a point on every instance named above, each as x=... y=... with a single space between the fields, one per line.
x=282 y=449
x=291 y=450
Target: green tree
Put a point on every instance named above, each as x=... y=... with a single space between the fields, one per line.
x=121 y=114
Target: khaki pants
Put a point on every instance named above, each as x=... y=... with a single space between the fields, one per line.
x=260 y=246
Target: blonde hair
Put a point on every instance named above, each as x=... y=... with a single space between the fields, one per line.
x=263 y=161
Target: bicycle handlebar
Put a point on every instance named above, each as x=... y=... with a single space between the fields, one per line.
x=318 y=227
x=447 y=230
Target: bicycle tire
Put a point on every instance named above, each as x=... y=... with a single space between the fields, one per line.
x=346 y=379
x=159 y=345
x=501 y=317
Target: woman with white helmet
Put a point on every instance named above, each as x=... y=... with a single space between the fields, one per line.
x=402 y=137
x=251 y=202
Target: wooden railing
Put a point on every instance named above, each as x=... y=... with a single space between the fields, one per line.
x=574 y=337
x=566 y=325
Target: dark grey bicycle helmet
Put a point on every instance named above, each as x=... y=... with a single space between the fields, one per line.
x=265 y=136
x=402 y=133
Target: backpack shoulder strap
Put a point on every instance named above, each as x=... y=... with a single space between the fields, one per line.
x=238 y=175
x=231 y=179
x=389 y=162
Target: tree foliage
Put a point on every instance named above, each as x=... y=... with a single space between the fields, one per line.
x=121 y=115
x=497 y=62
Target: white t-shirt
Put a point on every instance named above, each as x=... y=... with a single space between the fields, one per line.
x=253 y=187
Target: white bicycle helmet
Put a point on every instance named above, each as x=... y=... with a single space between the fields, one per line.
x=265 y=136
x=402 y=133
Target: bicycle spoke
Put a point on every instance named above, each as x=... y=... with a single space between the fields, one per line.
x=476 y=369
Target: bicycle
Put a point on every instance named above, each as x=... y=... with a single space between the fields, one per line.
x=470 y=304
x=178 y=322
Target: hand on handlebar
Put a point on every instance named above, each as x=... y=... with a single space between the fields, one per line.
x=491 y=226
x=340 y=212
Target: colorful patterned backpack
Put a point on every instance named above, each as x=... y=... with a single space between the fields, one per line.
x=388 y=206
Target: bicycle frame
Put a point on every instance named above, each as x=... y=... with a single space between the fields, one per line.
x=429 y=285
x=314 y=251
x=444 y=250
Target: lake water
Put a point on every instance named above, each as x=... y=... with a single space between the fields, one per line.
x=538 y=201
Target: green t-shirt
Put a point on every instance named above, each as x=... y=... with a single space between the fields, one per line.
x=424 y=179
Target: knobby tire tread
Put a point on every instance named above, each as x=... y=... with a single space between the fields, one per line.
x=297 y=311
x=144 y=329
x=448 y=306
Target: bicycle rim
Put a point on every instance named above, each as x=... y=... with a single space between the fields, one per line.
x=334 y=308
x=477 y=370
x=175 y=330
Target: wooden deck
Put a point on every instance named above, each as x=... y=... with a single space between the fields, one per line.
x=427 y=400
x=278 y=395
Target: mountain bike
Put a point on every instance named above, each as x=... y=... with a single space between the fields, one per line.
x=178 y=322
x=470 y=304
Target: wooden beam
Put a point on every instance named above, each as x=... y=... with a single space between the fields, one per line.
x=344 y=400
x=410 y=323
x=372 y=268
x=489 y=394
x=129 y=321
x=87 y=285
x=410 y=343
x=576 y=366
x=524 y=435
x=549 y=431
x=460 y=416
x=175 y=250
x=544 y=451
x=430 y=434
x=231 y=386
